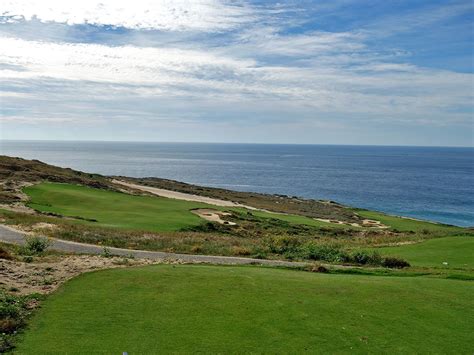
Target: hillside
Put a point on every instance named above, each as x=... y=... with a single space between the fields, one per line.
x=17 y=172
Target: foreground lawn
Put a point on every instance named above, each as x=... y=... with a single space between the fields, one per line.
x=458 y=252
x=113 y=209
x=210 y=309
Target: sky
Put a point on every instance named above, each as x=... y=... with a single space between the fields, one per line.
x=314 y=72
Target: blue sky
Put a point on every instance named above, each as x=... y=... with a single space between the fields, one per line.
x=322 y=72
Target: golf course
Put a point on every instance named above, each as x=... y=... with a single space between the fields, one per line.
x=121 y=210
x=185 y=308
x=365 y=281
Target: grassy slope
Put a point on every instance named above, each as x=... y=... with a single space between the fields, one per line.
x=458 y=252
x=242 y=309
x=113 y=209
x=283 y=204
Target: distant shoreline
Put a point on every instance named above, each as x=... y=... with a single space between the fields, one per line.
x=429 y=183
x=242 y=143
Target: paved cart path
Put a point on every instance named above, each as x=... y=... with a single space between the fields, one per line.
x=12 y=236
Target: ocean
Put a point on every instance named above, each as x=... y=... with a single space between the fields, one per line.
x=431 y=183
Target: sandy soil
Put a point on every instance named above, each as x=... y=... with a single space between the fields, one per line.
x=364 y=223
x=213 y=216
x=48 y=274
x=17 y=207
x=182 y=196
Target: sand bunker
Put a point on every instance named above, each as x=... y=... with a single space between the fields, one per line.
x=213 y=216
x=182 y=196
x=364 y=223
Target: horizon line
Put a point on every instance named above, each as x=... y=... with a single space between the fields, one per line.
x=239 y=143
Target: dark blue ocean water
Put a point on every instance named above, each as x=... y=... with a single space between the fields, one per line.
x=430 y=183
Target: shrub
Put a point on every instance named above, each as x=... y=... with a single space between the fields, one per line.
x=394 y=262
x=237 y=250
x=5 y=254
x=283 y=245
x=27 y=258
x=14 y=311
x=35 y=245
x=319 y=268
x=325 y=252
x=106 y=253
x=363 y=257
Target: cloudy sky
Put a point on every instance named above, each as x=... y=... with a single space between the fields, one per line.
x=339 y=72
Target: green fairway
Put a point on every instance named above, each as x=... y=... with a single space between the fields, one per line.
x=119 y=210
x=457 y=252
x=210 y=309
x=408 y=224
x=113 y=209
x=295 y=219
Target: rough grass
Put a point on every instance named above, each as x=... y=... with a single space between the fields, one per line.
x=113 y=209
x=457 y=252
x=210 y=309
x=253 y=236
x=14 y=312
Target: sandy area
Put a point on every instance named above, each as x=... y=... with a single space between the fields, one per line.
x=213 y=216
x=17 y=207
x=364 y=223
x=181 y=195
x=48 y=274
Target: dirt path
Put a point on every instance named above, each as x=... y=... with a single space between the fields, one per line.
x=9 y=235
x=182 y=196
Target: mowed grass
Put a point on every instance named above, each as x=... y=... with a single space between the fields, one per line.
x=295 y=219
x=120 y=210
x=408 y=224
x=216 y=309
x=458 y=252
x=113 y=209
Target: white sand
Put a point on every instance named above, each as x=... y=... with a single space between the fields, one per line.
x=182 y=196
x=213 y=216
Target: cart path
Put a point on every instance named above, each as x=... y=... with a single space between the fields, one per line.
x=12 y=236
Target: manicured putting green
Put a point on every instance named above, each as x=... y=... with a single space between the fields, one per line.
x=113 y=209
x=295 y=219
x=210 y=309
x=456 y=252
x=408 y=224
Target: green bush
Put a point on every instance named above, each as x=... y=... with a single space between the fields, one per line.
x=394 y=262
x=325 y=252
x=14 y=310
x=35 y=245
x=363 y=257
x=283 y=245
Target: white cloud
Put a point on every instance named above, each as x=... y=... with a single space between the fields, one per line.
x=126 y=64
x=261 y=71
x=176 y=15
x=269 y=41
x=99 y=73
